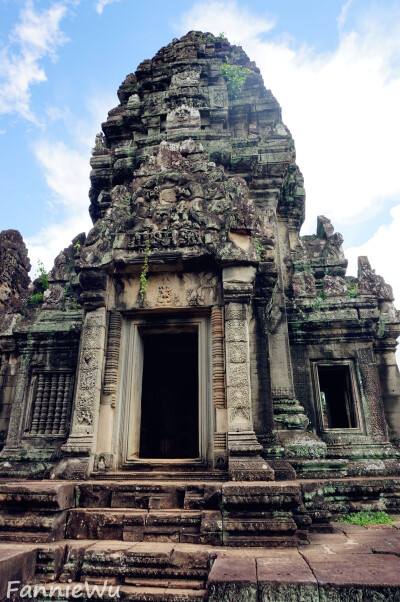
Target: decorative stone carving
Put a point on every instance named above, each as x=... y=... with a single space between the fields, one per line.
x=189 y=77
x=183 y=116
x=87 y=401
x=112 y=358
x=218 y=361
x=172 y=290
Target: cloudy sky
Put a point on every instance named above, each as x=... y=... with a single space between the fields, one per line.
x=334 y=67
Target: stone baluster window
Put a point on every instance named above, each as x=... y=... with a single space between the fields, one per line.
x=50 y=403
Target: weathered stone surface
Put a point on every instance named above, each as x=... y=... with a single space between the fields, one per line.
x=286 y=579
x=16 y=564
x=14 y=278
x=38 y=496
x=233 y=579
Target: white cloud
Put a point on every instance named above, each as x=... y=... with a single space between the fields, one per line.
x=37 y=35
x=66 y=170
x=218 y=16
x=101 y=4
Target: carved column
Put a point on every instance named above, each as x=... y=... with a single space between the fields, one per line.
x=245 y=462
x=289 y=416
x=389 y=377
x=219 y=392
x=84 y=421
x=104 y=456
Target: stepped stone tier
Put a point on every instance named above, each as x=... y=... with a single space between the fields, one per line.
x=193 y=370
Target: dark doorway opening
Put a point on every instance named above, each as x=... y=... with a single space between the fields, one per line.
x=337 y=401
x=169 y=426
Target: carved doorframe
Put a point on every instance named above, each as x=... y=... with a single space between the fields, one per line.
x=127 y=431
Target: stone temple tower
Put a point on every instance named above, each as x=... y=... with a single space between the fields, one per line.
x=193 y=331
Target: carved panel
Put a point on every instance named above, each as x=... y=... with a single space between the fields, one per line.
x=237 y=368
x=236 y=331
x=237 y=353
x=172 y=290
x=237 y=375
x=89 y=382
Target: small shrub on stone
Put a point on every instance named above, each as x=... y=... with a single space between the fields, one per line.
x=234 y=75
x=367 y=518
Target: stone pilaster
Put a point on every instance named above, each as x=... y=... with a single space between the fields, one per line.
x=219 y=389
x=389 y=377
x=289 y=416
x=85 y=416
x=245 y=462
x=104 y=458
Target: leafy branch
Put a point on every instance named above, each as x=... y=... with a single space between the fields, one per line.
x=234 y=75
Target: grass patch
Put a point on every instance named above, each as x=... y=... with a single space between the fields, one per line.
x=367 y=518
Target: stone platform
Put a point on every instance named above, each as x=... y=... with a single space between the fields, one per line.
x=347 y=564
x=211 y=540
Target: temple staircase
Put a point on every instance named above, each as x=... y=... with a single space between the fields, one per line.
x=158 y=540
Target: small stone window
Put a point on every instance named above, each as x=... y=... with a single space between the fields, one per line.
x=50 y=402
x=336 y=395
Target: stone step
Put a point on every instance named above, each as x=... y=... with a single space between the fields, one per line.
x=195 y=495
x=27 y=526
x=161 y=475
x=59 y=592
x=186 y=526
x=37 y=495
x=17 y=563
x=146 y=564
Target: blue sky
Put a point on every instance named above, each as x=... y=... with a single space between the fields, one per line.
x=334 y=66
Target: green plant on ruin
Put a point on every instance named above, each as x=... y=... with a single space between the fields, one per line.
x=143 y=273
x=231 y=222
x=43 y=278
x=367 y=518
x=221 y=36
x=234 y=75
x=35 y=299
x=380 y=333
x=352 y=292
x=315 y=305
x=260 y=250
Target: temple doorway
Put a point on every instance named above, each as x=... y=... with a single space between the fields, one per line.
x=165 y=391
x=170 y=401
